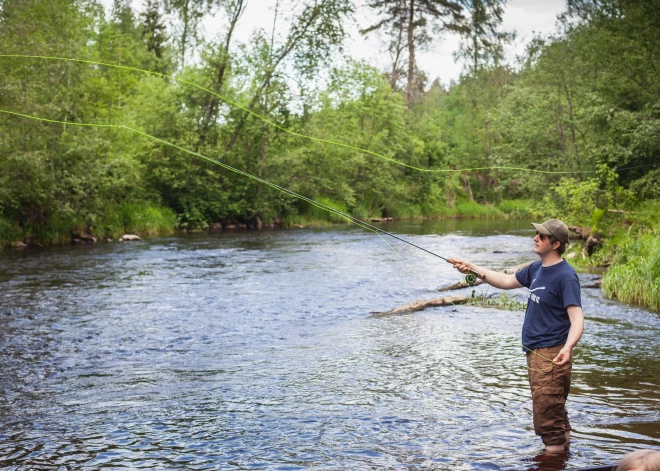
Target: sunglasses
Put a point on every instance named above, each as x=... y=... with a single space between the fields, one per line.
x=542 y=236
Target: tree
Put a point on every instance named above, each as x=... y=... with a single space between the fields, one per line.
x=154 y=29
x=189 y=14
x=316 y=32
x=483 y=43
x=422 y=20
x=220 y=62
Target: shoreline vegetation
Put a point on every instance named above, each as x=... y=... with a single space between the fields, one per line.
x=146 y=219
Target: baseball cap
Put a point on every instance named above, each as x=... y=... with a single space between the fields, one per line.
x=553 y=227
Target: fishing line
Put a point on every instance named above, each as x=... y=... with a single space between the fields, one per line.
x=350 y=218
x=281 y=128
x=470 y=278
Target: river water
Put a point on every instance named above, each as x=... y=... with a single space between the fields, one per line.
x=257 y=350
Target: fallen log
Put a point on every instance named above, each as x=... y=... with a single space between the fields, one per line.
x=423 y=304
x=582 y=232
x=464 y=284
x=460 y=285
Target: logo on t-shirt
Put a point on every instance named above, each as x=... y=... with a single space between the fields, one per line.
x=534 y=297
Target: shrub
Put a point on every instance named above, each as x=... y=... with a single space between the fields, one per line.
x=635 y=274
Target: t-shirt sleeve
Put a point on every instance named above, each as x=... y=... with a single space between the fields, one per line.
x=570 y=292
x=524 y=276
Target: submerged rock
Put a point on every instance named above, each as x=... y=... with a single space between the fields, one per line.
x=596 y=284
x=82 y=238
x=215 y=227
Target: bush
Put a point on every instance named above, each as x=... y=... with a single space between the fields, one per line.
x=516 y=208
x=634 y=277
x=8 y=233
x=142 y=217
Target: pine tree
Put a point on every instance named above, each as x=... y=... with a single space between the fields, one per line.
x=153 y=29
x=422 y=20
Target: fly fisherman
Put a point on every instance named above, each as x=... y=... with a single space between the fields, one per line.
x=553 y=326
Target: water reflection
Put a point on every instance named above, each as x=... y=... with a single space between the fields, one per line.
x=256 y=350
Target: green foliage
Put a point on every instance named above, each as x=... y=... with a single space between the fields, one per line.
x=470 y=209
x=315 y=213
x=8 y=232
x=504 y=301
x=635 y=275
x=585 y=100
x=517 y=208
x=139 y=217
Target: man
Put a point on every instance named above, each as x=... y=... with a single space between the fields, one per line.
x=553 y=325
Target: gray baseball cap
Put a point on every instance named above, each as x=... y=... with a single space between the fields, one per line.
x=553 y=227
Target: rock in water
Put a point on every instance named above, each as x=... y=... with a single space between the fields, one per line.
x=130 y=237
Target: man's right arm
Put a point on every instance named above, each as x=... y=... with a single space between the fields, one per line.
x=493 y=278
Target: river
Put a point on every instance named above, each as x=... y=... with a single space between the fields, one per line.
x=257 y=350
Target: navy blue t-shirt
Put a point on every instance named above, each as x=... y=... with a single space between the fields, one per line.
x=551 y=290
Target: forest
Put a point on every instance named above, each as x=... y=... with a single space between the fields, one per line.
x=571 y=130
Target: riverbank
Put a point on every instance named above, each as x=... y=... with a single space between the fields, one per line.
x=141 y=218
x=630 y=247
x=630 y=254
x=148 y=219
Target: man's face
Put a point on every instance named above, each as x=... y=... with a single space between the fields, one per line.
x=542 y=244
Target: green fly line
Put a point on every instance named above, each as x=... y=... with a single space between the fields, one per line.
x=277 y=126
x=470 y=278
x=286 y=191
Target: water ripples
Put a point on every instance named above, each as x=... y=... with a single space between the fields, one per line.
x=257 y=351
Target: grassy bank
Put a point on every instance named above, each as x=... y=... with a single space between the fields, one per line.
x=141 y=218
x=310 y=215
x=631 y=249
x=634 y=276
x=463 y=209
x=148 y=219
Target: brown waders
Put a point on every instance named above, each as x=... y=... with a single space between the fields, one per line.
x=550 y=385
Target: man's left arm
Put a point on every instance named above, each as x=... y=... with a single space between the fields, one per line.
x=577 y=327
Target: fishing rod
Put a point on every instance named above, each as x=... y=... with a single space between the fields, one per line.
x=470 y=277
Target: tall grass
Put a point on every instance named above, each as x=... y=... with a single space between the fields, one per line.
x=474 y=210
x=141 y=217
x=516 y=208
x=463 y=209
x=404 y=210
x=634 y=276
x=310 y=215
x=8 y=233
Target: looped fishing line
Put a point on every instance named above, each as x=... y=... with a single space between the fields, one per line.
x=470 y=278
x=283 y=129
x=542 y=370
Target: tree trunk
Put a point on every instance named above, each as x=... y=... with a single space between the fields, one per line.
x=468 y=188
x=411 y=53
x=214 y=101
x=184 y=34
x=394 y=76
x=569 y=99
